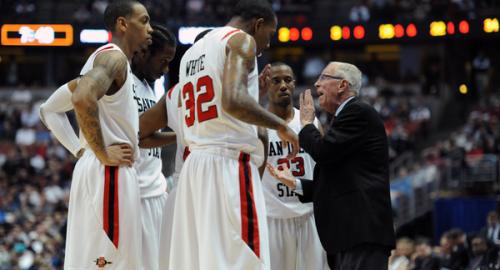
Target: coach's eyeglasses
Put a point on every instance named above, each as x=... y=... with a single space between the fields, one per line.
x=323 y=77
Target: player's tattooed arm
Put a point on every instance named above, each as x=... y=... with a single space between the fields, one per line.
x=240 y=61
x=153 y=119
x=263 y=137
x=106 y=77
x=158 y=139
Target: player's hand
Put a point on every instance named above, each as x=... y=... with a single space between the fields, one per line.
x=287 y=135
x=264 y=79
x=283 y=174
x=307 y=111
x=118 y=155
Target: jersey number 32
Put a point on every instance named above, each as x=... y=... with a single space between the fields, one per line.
x=194 y=105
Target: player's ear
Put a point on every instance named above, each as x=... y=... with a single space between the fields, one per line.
x=121 y=24
x=259 y=23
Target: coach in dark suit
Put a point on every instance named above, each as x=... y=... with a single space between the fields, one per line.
x=350 y=189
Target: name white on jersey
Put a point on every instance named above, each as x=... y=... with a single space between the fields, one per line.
x=151 y=180
x=118 y=112
x=281 y=201
x=204 y=122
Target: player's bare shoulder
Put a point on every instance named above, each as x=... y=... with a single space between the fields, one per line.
x=115 y=65
x=242 y=44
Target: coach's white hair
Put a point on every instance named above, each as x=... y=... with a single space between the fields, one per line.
x=350 y=73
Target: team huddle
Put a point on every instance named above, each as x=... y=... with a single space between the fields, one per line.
x=225 y=210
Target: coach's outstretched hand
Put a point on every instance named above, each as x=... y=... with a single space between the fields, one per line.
x=307 y=111
x=287 y=135
x=118 y=155
x=283 y=174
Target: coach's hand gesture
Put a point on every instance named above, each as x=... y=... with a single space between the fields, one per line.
x=118 y=155
x=307 y=111
x=264 y=78
x=283 y=174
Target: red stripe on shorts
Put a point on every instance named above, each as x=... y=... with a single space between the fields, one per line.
x=186 y=153
x=105 y=212
x=110 y=205
x=249 y=221
x=229 y=33
x=116 y=224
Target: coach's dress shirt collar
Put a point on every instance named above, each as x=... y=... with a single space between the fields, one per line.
x=342 y=106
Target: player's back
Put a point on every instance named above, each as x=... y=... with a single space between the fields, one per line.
x=118 y=114
x=205 y=123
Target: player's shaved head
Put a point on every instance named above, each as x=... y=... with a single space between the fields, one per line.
x=116 y=9
x=254 y=9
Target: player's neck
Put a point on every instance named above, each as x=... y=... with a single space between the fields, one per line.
x=284 y=112
x=237 y=22
x=123 y=46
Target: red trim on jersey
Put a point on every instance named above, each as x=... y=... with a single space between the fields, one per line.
x=186 y=153
x=249 y=219
x=110 y=204
x=229 y=33
x=169 y=92
x=105 y=48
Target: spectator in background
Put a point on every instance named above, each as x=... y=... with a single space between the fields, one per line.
x=360 y=13
x=423 y=258
x=455 y=256
x=491 y=231
x=483 y=258
x=400 y=257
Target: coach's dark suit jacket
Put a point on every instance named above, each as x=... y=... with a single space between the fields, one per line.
x=350 y=188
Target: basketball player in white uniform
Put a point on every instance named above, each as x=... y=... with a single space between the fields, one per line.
x=149 y=66
x=104 y=228
x=219 y=214
x=293 y=240
x=152 y=183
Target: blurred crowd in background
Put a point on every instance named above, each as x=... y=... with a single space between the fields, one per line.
x=440 y=104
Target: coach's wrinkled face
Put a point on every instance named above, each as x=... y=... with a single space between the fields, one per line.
x=330 y=88
x=282 y=85
x=263 y=32
x=137 y=28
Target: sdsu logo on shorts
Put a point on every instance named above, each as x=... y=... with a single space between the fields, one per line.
x=101 y=262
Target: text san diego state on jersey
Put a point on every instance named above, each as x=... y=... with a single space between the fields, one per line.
x=281 y=201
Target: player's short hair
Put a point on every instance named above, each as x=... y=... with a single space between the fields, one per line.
x=161 y=37
x=252 y=9
x=116 y=9
x=278 y=64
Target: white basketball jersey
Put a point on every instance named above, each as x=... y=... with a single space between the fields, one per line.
x=151 y=180
x=205 y=123
x=281 y=201
x=118 y=112
x=174 y=117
